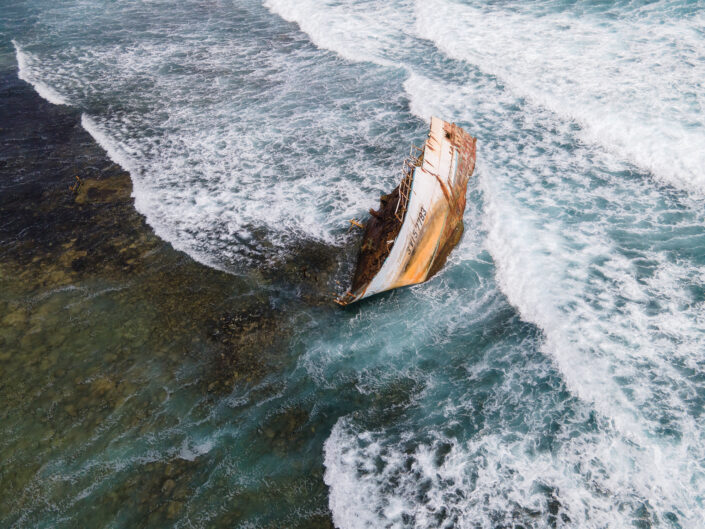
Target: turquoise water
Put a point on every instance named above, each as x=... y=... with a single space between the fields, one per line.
x=552 y=375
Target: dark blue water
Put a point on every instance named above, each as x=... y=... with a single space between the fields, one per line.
x=552 y=375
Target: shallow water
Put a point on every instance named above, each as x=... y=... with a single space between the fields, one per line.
x=550 y=376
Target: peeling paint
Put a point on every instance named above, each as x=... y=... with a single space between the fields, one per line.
x=432 y=218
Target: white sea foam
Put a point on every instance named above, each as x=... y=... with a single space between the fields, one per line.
x=190 y=450
x=630 y=79
x=114 y=151
x=358 y=31
x=27 y=71
x=489 y=481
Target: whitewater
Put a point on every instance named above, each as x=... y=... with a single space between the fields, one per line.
x=553 y=374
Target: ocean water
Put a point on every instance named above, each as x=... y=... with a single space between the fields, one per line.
x=552 y=375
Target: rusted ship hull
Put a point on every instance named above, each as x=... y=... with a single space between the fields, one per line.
x=409 y=238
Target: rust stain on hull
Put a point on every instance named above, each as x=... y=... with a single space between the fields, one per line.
x=409 y=238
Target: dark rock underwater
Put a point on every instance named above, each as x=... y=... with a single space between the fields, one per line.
x=110 y=339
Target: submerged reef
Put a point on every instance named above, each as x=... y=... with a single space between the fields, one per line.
x=111 y=340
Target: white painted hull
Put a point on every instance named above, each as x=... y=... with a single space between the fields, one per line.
x=434 y=210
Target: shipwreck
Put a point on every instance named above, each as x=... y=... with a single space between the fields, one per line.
x=407 y=240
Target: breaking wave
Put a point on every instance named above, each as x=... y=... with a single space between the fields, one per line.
x=26 y=64
x=628 y=75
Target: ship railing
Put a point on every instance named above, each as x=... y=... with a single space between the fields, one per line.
x=416 y=154
x=414 y=160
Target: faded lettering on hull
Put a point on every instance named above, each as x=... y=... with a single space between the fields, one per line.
x=416 y=231
x=421 y=257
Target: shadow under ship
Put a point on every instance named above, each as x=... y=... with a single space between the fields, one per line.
x=407 y=240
